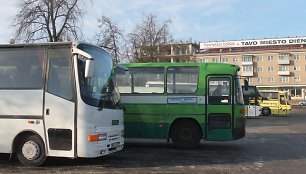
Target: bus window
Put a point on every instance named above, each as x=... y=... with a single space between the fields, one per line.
x=182 y=80
x=282 y=100
x=21 y=69
x=141 y=76
x=59 y=77
x=123 y=80
x=219 y=90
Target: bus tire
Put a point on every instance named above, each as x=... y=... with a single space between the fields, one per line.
x=186 y=134
x=31 y=151
x=266 y=111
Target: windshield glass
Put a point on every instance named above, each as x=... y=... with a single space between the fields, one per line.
x=98 y=90
x=251 y=95
x=239 y=95
x=270 y=95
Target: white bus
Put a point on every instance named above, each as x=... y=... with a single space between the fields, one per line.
x=252 y=99
x=58 y=99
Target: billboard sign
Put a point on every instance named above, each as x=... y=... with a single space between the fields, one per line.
x=251 y=43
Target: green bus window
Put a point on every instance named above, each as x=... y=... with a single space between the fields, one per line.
x=239 y=94
x=147 y=80
x=123 y=81
x=182 y=80
x=219 y=90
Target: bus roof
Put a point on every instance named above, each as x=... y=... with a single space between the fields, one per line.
x=45 y=44
x=213 y=68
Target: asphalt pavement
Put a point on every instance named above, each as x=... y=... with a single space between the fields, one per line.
x=273 y=145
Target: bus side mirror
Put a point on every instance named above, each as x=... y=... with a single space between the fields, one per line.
x=246 y=84
x=89 y=68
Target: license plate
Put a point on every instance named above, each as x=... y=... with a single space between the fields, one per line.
x=114 y=145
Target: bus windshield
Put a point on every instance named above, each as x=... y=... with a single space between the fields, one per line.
x=270 y=95
x=98 y=90
x=239 y=93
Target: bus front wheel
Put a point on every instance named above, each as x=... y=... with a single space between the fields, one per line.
x=186 y=134
x=266 y=111
x=31 y=151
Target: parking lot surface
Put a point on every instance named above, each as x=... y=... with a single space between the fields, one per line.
x=272 y=145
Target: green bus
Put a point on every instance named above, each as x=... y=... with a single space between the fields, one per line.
x=182 y=102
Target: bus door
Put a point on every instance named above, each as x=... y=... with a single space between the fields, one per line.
x=219 y=108
x=59 y=110
x=283 y=105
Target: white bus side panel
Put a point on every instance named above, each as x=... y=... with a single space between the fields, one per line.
x=21 y=102
x=10 y=128
x=21 y=110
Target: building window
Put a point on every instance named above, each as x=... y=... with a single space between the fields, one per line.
x=271 y=79
x=296 y=57
x=284 y=57
x=283 y=68
x=296 y=79
x=259 y=69
x=305 y=56
x=247 y=68
x=270 y=58
x=215 y=60
x=296 y=68
x=204 y=60
x=270 y=68
x=247 y=58
x=250 y=80
x=259 y=79
x=235 y=59
x=284 y=79
x=224 y=59
x=259 y=58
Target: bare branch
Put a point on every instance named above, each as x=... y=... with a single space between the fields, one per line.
x=147 y=37
x=49 y=20
x=109 y=37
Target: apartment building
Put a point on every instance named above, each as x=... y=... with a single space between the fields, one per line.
x=172 y=52
x=278 y=63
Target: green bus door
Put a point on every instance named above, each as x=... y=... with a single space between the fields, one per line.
x=219 y=108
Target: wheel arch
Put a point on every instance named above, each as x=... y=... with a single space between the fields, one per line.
x=19 y=137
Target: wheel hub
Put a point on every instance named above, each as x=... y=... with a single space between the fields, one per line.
x=186 y=134
x=30 y=150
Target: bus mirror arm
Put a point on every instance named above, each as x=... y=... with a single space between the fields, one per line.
x=89 y=61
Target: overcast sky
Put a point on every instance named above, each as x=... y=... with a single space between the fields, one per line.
x=199 y=20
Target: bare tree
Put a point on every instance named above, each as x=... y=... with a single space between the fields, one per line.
x=110 y=37
x=50 y=20
x=148 y=37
